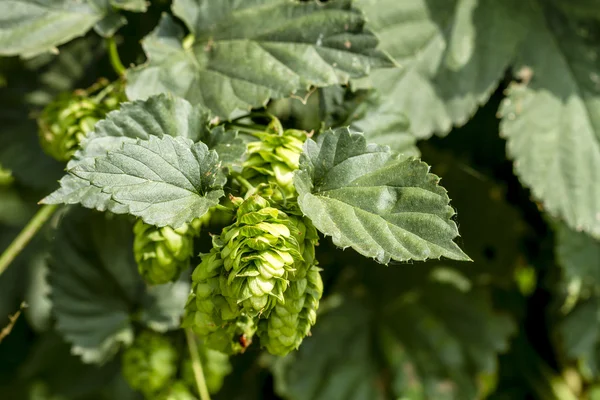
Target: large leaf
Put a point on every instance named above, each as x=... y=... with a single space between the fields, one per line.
x=164 y=181
x=432 y=343
x=551 y=120
x=367 y=198
x=155 y=117
x=239 y=61
x=96 y=291
x=452 y=54
x=30 y=27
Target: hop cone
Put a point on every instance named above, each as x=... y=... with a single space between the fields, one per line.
x=178 y=391
x=162 y=254
x=150 y=363
x=215 y=365
x=290 y=321
x=211 y=315
x=273 y=160
x=71 y=116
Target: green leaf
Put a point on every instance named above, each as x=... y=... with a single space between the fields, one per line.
x=30 y=27
x=96 y=291
x=155 y=117
x=239 y=61
x=432 y=343
x=164 y=181
x=451 y=53
x=551 y=120
x=579 y=256
x=580 y=8
x=367 y=198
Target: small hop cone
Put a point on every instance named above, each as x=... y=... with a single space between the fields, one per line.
x=150 y=363
x=290 y=322
x=71 y=116
x=162 y=254
x=215 y=365
x=178 y=391
x=259 y=251
x=272 y=161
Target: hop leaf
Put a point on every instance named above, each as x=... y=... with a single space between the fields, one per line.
x=162 y=254
x=71 y=116
x=150 y=363
x=273 y=159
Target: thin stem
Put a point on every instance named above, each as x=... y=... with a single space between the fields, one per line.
x=246 y=128
x=243 y=181
x=197 y=365
x=34 y=225
x=115 y=60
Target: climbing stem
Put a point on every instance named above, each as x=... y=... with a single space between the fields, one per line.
x=197 y=365
x=25 y=236
x=243 y=181
x=115 y=60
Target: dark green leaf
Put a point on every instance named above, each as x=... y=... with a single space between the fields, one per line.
x=367 y=198
x=238 y=60
x=96 y=291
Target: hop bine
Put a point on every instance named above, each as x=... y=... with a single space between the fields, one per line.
x=71 y=116
x=150 y=364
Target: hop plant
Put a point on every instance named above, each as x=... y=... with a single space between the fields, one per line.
x=150 y=363
x=71 y=116
x=215 y=365
x=6 y=177
x=273 y=159
x=162 y=254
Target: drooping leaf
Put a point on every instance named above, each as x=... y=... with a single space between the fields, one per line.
x=96 y=291
x=452 y=54
x=367 y=198
x=434 y=342
x=164 y=181
x=30 y=27
x=155 y=117
x=551 y=120
x=238 y=61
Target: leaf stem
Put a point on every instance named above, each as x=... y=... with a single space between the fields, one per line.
x=25 y=236
x=254 y=129
x=115 y=60
x=197 y=365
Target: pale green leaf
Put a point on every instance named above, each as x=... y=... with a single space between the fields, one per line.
x=157 y=116
x=96 y=291
x=367 y=198
x=30 y=27
x=579 y=256
x=451 y=56
x=551 y=121
x=435 y=343
x=239 y=60
x=164 y=181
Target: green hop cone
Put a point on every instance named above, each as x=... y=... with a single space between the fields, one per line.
x=217 y=319
x=178 y=391
x=291 y=320
x=215 y=365
x=162 y=254
x=71 y=116
x=273 y=159
x=150 y=363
